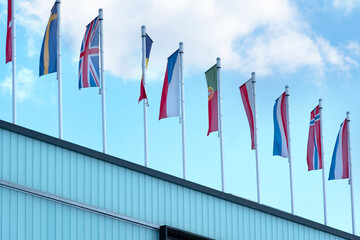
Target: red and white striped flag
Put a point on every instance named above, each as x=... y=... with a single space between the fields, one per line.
x=247 y=95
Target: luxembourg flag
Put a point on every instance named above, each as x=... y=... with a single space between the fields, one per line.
x=247 y=95
x=340 y=160
x=314 y=157
x=170 y=97
x=280 y=128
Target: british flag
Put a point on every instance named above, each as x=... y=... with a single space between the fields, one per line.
x=89 y=56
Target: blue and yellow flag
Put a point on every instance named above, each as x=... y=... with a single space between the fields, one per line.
x=48 y=55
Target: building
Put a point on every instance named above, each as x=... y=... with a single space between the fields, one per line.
x=53 y=189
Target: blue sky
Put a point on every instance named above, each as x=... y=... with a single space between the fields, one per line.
x=310 y=46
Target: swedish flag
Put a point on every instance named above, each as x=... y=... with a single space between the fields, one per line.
x=48 y=55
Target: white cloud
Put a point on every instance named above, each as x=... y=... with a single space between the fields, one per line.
x=265 y=36
x=346 y=5
x=25 y=85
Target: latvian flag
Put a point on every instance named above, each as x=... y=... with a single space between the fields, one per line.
x=340 y=160
x=314 y=157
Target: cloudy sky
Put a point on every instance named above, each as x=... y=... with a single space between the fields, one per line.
x=311 y=46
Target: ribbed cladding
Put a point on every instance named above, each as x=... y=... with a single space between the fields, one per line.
x=23 y=216
x=88 y=180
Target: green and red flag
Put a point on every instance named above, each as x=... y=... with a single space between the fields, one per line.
x=211 y=79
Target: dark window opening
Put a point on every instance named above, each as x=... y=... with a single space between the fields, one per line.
x=169 y=233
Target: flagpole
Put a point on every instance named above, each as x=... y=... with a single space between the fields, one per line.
x=350 y=179
x=101 y=18
x=143 y=39
x=218 y=65
x=181 y=52
x=13 y=59
x=289 y=147
x=59 y=73
x=322 y=160
x=253 y=80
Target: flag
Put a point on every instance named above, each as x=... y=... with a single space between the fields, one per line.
x=339 y=168
x=9 y=33
x=280 y=127
x=48 y=55
x=314 y=154
x=148 y=44
x=247 y=95
x=89 y=56
x=211 y=79
x=170 y=97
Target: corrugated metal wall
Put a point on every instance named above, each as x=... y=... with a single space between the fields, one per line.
x=71 y=175
x=23 y=216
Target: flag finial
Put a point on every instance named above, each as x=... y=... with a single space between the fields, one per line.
x=101 y=16
x=143 y=31
x=181 y=47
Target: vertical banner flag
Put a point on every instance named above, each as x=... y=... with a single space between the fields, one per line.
x=148 y=45
x=280 y=127
x=48 y=55
x=89 y=56
x=339 y=168
x=170 y=97
x=247 y=95
x=314 y=157
x=9 y=33
x=211 y=79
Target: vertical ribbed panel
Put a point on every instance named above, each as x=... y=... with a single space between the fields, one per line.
x=81 y=178
x=23 y=216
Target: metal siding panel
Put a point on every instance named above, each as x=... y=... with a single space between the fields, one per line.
x=128 y=193
x=180 y=207
x=20 y=163
x=158 y=205
x=36 y=164
x=102 y=185
x=36 y=219
x=13 y=158
x=211 y=210
x=148 y=199
x=135 y=195
x=85 y=179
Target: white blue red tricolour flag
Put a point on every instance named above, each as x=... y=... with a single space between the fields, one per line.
x=170 y=97
x=339 y=168
x=280 y=128
x=89 y=56
x=314 y=157
x=247 y=95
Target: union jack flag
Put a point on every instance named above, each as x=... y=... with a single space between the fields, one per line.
x=89 y=56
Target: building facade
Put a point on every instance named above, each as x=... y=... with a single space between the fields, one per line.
x=53 y=189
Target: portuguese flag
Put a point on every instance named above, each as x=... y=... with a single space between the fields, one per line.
x=211 y=79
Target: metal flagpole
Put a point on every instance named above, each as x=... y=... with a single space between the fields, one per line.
x=350 y=179
x=143 y=38
x=101 y=18
x=289 y=147
x=322 y=160
x=182 y=100
x=218 y=64
x=59 y=73
x=253 y=80
x=13 y=59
